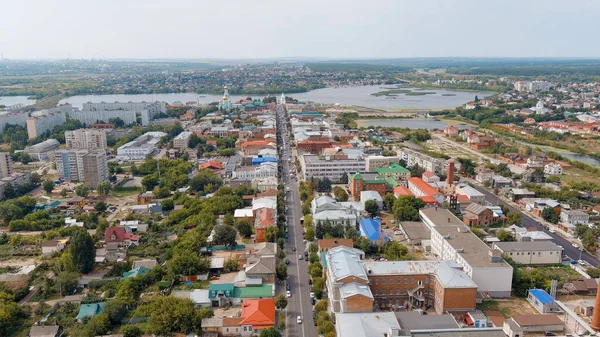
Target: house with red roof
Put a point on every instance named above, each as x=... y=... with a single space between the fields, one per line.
x=258 y=314
x=401 y=190
x=121 y=236
x=252 y=148
x=265 y=217
x=451 y=131
x=213 y=165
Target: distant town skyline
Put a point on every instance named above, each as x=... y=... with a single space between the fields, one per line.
x=238 y=29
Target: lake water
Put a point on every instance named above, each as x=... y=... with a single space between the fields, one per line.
x=407 y=123
x=360 y=95
x=582 y=158
x=12 y=100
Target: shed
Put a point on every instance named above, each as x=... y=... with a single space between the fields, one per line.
x=541 y=300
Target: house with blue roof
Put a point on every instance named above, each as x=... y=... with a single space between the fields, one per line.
x=141 y=270
x=89 y=310
x=371 y=229
x=542 y=301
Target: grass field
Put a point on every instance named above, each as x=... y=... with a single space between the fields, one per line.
x=508 y=307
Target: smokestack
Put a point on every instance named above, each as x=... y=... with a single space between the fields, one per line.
x=450 y=177
x=596 y=317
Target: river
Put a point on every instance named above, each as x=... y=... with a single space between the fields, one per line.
x=359 y=95
x=409 y=123
x=12 y=100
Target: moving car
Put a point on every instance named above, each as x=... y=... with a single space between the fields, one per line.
x=299 y=257
x=552 y=230
x=288 y=294
x=299 y=320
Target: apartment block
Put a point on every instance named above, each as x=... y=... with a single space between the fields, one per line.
x=375 y=162
x=88 y=117
x=429 y=163
x=82 y=165
x=332 y=167
x=153 y=108
x=13 y=118
x=85 y=139
x=5 y=164
x=451 y=240
x=182 y=140
x=46 y=121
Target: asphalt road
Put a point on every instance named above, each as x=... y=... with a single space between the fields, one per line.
x=300 y=303
x=527 y=221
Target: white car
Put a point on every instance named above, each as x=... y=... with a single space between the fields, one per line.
x=312 y=295
x=552 y=230
x=299 y=320
x=288 y=294
x=299 y=257
x=575 y=245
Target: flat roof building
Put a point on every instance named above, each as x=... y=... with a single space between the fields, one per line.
x=531 y=252
x=452 y=240
x=182 y=140
x=140 y=147
x=85 y=139
x=44 y=150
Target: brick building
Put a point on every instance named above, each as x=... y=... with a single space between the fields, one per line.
x=479 y=216
x=366 y=182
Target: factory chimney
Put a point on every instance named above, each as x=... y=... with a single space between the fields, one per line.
x=596 y=317
x=450 y=177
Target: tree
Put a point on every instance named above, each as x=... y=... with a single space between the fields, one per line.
x=66 y=282
x=406 y=208
x=224 y=235
x=317 y=287
x=168 y=315
x=244 y=228
x=64 y=192
x=281 y=302
x=478 y=232
x=129 y=330
x=271 y=233
x=48 y=186
x=388 y=201
x=340 y=194
x=270 y=332
x=229 y=220
x=100 y=207
x=83 y=251
x=320 y=306
x=513 y=218
x=82 y=190
x=371 y=207
x=310 y=234
x=231 y=265
x=395 y=251
x=549 y=214
x=593 y=272
x=115 y=309
x=281 y=271
x=344 y=178
x=324 y=185
x=103 y=188
x=315 y=270
x=505 y=236
x=280 y=243
x=167 y=204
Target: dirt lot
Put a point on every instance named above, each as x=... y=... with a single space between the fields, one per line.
x=508 y=307
x=231 y=312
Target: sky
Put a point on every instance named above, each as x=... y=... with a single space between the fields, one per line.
x=255 y=29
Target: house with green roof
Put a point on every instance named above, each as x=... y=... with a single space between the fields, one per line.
x=242 y=293
x=220 y=294
x=89 y=310
x=394 y=170
x=141 y=270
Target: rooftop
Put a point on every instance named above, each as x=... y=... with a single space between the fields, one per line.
x=411 y=320
x=526 y=246
x=365 y=324
x=444 y=271
x=343 y=262
x=541 y=295
x=458 y=235
x=534 y=320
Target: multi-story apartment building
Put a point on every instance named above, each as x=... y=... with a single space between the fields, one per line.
x=182 y=140
x=153 y=108
x=452 y=240
x=394 y=170
x=264 y=170
x=85 y=139
x=531 y=253
x=140 y=147
x=574 y=217
x=88 y=117
x=375 y=162
x=13 y=118
x=5 y=164
x=441 y=285
x=314 y=166
x=82 y=165
x=429 y=163
x=44 y=150
x=46 y=121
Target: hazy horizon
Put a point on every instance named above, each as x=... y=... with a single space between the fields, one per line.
x=303 y=29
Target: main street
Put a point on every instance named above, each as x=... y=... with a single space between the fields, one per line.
x=300 y=303
x=572 y=252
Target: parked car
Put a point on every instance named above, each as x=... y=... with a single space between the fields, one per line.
x=287 y=261
x=288 y=294
x=287 y=287
x=299 y=257
x=299 y=320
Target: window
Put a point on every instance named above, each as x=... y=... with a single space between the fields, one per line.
x=426 y=281
x=412 y=280
x=376 y=281
x=383 y=281
x=399 y=280
x=376 y=291
x=405 y=280
x=391 y=281
x=397 y=291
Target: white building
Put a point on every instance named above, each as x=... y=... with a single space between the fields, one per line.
x=452 y=240
x=574 y=217
x=314 y=166
x=539 y=86
x=13 y=118
x=262 y=171
x=151 y=108
x=553 y=169
x=530 y=252
x=471 y=193
x=86 y=139
x=46 y=121
x=429 y=163
x=129 y=117
x=325 y=208
x=140 y=147
x=375 y=162
x=371 y=195
x=182 y=140
x=82 y=165
x=44 y=150
x=5 y=164
x=367 y=324
x=344 y=270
